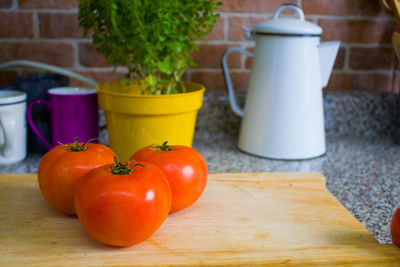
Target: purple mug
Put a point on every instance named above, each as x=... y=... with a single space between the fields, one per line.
x=73 y=112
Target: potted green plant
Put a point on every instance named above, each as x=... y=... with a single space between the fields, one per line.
x=154 y=40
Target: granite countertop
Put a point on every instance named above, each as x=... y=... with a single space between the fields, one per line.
x=361 y=165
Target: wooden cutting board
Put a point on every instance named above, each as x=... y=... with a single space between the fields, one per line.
x=242 y=218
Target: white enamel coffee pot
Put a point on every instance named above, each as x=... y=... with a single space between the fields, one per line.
x=283 y=114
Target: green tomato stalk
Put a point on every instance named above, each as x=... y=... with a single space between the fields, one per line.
x=119 y=168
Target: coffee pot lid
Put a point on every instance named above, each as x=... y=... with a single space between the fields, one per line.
x=288 y=26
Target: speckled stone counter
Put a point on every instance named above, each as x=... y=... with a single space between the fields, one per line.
x=361 y=165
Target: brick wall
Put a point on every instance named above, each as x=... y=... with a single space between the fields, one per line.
x=47 y=31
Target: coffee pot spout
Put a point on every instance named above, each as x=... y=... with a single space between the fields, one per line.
x=327 y=55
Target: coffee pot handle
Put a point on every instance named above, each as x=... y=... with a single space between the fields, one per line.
x=231 y=93
x=32 y=124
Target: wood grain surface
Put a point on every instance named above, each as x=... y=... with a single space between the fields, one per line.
x=245 y=219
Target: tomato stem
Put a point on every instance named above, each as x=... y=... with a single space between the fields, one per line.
x=76 y=147
x=163 y=147
x=119 y=168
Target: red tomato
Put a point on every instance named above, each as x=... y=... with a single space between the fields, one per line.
x=395 y=227
x=126 y=208
x=184 y=168
x=63 y=166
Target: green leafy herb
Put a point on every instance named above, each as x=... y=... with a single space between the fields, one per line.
x=153 y=38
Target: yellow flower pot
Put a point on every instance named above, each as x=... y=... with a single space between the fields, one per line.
x=134 y=120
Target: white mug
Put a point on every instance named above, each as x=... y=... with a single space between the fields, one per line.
x=13 y=129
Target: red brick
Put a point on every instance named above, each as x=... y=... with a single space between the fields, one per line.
x=27 y=71
x=218 y=33
x=396 y=49
x=209 y=56
x=56 y=4
x=6 y=3
x=240 y=80
x=253 y=6
x=367 y=58
x=396 y=64
x=215 y=80
x=98 y=76
x=15 y=24
x=360 y=82
x=340 y=58
x=8 y=77
x=60 y=54
x=211 y=80
x=249 y=60
x=343 y=8
x=396 y=82
x=357 y=31
x=59 y=25
x=89 y=57
x=236 y=32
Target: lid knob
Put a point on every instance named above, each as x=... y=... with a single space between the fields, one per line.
x=282 y=26
x=296 y=8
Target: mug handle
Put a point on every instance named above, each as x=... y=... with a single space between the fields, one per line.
x=231 y=93
x=32 y=124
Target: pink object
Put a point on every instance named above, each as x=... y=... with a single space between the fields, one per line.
x=73 y=111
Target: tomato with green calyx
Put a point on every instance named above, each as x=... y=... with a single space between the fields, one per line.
x=184 y=168
x=63 y=166
x=123 y=204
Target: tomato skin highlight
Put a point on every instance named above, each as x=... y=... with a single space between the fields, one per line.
x=185 y=169
x=395 y=227
x=60 y=169
x=123 y=210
